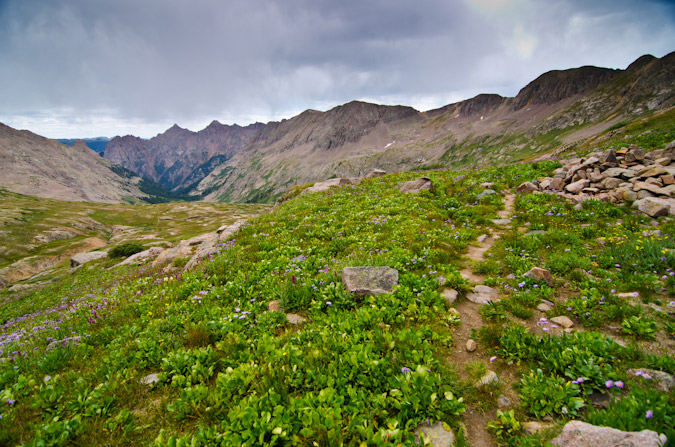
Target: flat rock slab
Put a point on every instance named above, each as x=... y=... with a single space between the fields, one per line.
x=482 y=295
x=563 y=321
x=415 y=186
x=581 y=434
x=364 y=281
x=437 y=435
x=501 y=221
x=490 y=378
x=534 y=427
x=82 y=258
x=325 y=186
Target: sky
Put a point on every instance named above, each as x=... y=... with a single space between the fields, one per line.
x=88 y=68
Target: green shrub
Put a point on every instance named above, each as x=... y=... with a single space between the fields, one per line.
x=125 y=250
x=549 y=395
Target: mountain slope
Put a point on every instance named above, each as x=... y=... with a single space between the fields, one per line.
x=173 y=158
x=37 y=166
x=554 y=110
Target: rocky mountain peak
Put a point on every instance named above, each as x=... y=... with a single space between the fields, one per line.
x=640 y=62
x=557 y=85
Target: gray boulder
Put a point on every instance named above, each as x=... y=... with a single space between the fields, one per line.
x=415 y=186
x=526 y=187
x=328 y=184
x=652 y=206
x=659 y=379
x=82 y=258
x=363 y=281
x=482 y=295
x=578 y=186
x=146 y=255
x=581 y=434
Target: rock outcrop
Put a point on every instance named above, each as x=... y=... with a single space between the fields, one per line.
x=578 y=434
x=363 y=281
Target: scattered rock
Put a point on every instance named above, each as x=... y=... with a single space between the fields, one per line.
x=150 y=379
x=82 y=258
x=538 y=274
x=415 y=186
x=54 y=235
x=661 y=380
x=274 y=306
x=501 y=221
x=578 y=186
x=534 y=427
x=482 y=295
x=363 y=281
x=527 y=187
x=471 y=345
x=563 y=321
x=490 y=378
x=376 y=173
x=295 y=319
x=450 y=295
x=65 y=343
x=504 y=402
x=535 y=232
x=600 y=400
x=652 y=206
x=480 y=239
x=578 y=434
x=542 y=307
x=438 y=435
x=487 y=192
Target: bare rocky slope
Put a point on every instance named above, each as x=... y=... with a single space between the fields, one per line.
x=179 y=158
x=37 y=166
x=550 y=113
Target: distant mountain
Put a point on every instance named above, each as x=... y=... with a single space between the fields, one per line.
x=37 y=166
x=96 y=144
x=259 y=162
x=550 y=113
x=180 y=158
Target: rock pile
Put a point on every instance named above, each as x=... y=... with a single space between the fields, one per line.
x=647 y=179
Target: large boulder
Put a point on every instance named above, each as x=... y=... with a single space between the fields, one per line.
x=538 y=274
x=363 y=281
x=578 y=186
x=82 y=258
x=581 y=434
x=143 y=256
x=652 y=206
x=527 y=187
x=659 y=379
x=415 y=186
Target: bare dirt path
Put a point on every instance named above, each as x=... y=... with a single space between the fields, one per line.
x=474 y=418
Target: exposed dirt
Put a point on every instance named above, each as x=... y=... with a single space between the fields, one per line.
x=475 y=419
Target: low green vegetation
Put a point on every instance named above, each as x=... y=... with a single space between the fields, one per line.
x=144 y=356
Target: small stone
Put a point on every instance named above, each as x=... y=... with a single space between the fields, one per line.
x=487 y=192
x=563 y=321
x=535 y=232
x=482 y=295
x=295 y=319
x=450 y=295
x=501 y=221
x=490 y=378
x=668 y=179
x=439 y=435
x=600 y=400
x=480 y=239
x=471 y=345
x=543 y=307
x=487 y=184
x=538 y=274
x=150 y=379
x=527 y=187
x=274 y=306
x=504 y=402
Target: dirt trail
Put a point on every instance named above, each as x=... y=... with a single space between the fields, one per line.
x=475 y=420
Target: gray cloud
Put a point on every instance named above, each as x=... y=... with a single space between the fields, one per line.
x=90 y=67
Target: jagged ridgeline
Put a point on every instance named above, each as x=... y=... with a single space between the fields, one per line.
x=443 y=306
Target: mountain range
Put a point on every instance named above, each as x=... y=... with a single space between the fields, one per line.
x=257 y=163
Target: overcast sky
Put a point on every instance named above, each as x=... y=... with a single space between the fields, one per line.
x=85 y=68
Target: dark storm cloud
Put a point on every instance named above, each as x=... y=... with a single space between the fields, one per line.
x=121 y=66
